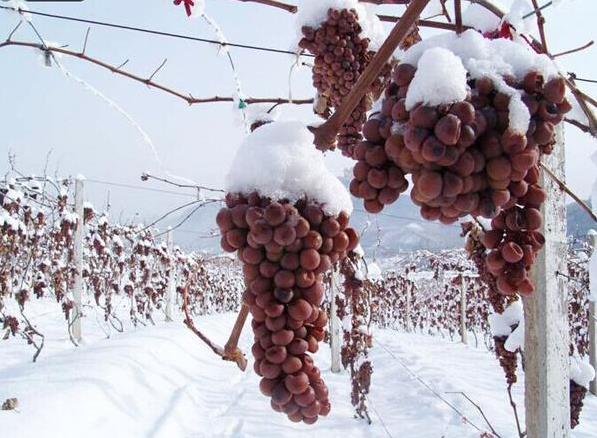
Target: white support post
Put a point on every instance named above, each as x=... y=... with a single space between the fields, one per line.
x=75 y=321
x=463 y=331
x=547 y=369
x=592 y=345
x=407 y=319
x=170 y=292
x=335 y=332
x=592 y=320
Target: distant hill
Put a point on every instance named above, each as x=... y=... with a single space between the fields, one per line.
x=579 y=222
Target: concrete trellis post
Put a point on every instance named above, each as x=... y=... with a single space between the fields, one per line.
x=463 y=331
x=593 y=320
x=78 y=259
x=170 y=292
x=547 y=369
x=335 y=332
x=409 y=290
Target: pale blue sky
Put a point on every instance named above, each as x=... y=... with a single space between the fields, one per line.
x=41 y=110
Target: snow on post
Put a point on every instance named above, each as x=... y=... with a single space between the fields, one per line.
x=463 y=331
x=547 y=367
x=78 y=258
x=335 y=330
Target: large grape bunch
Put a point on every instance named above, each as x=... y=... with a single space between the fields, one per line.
x=464 y=159
x=341 y=54
x=285 y=250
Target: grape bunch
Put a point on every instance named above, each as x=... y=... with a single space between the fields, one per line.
x=464 y=159
x=577 y=395
x=341 y=55
x=285 y=250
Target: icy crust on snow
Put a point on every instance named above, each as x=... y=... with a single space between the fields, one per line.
x=581 y=372
x=314 y=12
x=481 y=57
x=440 y=78
x=279 y=161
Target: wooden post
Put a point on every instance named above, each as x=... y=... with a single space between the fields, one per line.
x=335 y=332
x=547 y=369
x=78 y=259
x=463 y=331
x=592 y=320
x=170 y=292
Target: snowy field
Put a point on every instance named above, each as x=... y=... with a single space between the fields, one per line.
x=161 y=382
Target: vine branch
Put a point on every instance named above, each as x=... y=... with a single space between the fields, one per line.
x=568 y=191
x=188 y=98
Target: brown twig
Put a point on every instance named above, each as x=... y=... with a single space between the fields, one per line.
x=239 y=358
x=584 y=128
x=568 y=191
x=325 y=134
x=149 y=81
x=478 y=408
x=422 y=23
x=14 y=31
x=584 y=95
x=85 y=42
x=231 y=349
x=445 y=12
x=155 y=72
x=293 y=9
x=285 y=6
x=592 y=81
x=582 y=101
x=521 y=434
x=578 y=49
x=458 y=15
x=540 y=25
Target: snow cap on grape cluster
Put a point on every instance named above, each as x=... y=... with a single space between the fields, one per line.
x=279 y=161
x=440 y=60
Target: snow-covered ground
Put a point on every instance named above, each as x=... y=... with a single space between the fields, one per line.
x=162 y=382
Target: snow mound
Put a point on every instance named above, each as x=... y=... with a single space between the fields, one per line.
x=440 y=78
x=501 y=323
x=481 y=57
x=480 y=18
x=279 y=161
x=313 y=13
x=581 y=372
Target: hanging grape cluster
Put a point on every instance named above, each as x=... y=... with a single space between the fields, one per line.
x=341 y=55
x=285 y=250
x=464 y=159
x=577 y=395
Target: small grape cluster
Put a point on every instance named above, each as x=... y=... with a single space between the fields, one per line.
x=341 y=55
x=285 y=249
x=508 y=359
x=465 y=159
x=577 y=395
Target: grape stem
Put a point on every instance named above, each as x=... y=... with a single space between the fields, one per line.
x=568 y=191
x=230 y=352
